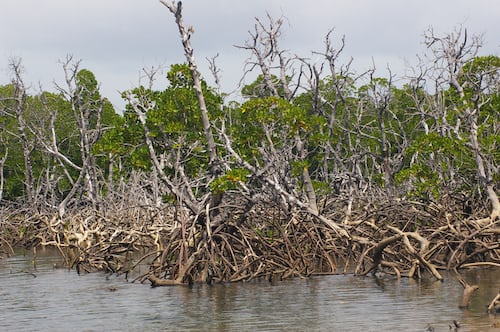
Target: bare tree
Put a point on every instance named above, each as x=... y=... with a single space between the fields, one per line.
x=2 y=175
x=19 y=112
x=452 y=53
x=391 y=138
x=186 y=33
x=266 y=55
x=329 y=96
x=86 y=105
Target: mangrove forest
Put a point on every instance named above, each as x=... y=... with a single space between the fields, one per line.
x=318 y=169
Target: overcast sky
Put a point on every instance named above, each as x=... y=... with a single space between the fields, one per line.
x=115 y=39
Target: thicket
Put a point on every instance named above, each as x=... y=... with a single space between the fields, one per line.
x=319 y=170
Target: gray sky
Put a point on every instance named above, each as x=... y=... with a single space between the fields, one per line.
x=116 y=38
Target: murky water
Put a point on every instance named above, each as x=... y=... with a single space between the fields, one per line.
x=60 y=300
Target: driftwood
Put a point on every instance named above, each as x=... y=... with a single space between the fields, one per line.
x=155 y=282
x=468 y=291
x=467 y=295
x=494 y=305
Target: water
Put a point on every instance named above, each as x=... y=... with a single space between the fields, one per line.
x=61 y=300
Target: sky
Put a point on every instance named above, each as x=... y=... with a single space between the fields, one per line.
x=116 y=39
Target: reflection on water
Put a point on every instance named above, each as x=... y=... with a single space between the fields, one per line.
x=60 y=300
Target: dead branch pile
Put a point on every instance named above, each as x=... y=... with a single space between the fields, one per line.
x=267 y=240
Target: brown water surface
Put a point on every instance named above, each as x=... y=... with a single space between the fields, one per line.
x=61 y=300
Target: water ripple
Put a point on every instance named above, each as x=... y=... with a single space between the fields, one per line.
x=60 y=300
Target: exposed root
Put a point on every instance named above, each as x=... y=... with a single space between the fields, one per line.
x=261 y=241
x=494 y=305
x=468 y=291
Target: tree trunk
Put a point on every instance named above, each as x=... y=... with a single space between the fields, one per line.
x=468 y=291
x=20 y=100
x=308 y=186
x=484 y=179
x=188 y=50
x=2 y=175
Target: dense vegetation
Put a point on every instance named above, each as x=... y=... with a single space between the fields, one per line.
x=319 y=168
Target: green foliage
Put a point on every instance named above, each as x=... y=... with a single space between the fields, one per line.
x=112 y=141
x=174 y=123
x=283 y=119
x=435 y=158
x=40 y=113
x=231 y=180
x=341 y=124
x=482 y=73
x=10 y=140
x=435 y=143
x=424 y=179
